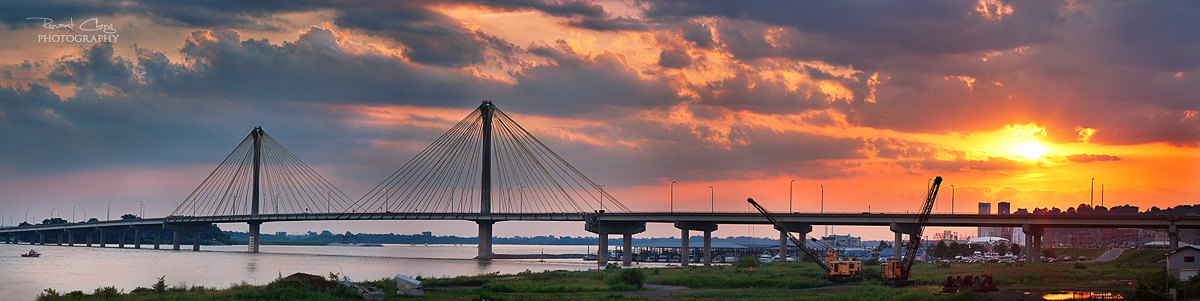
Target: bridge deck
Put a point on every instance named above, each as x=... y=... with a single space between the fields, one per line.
x=864 y=219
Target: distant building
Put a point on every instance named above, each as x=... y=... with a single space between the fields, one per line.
x=1182 y=264
x=842 y=241
x=984 y=209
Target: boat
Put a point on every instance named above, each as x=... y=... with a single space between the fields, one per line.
x=31 y=253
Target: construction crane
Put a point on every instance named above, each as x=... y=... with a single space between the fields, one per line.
x=836 y=269
x=897 y=271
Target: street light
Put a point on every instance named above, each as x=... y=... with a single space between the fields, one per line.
x=142 y=209
x=1092 y=199
x=951 y=198
x=672 y=196
x=790 y=190
x=73 y=213
x=84 y=214
x=712 y=203
x=108 y=212
x=823 y=207
x=1102 y=195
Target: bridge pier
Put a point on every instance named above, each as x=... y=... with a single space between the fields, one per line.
x=628 y=229
x=485 y=240
x=1173 y=233
x=252 y=240
x=900 y=230
x=685 y=246
x=195 y=240
x=602 y=251
x=101 y=238
x=121 y=239
x=41 y=239
x=684 y=251
x=60 y=239
x=801 y=229
x=627 y=250
x=71 y=239
x=157 y=242
x=176 y=239
x=89 y=239
x=1033 y=243
x=137 y=239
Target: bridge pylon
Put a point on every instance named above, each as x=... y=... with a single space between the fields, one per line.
x=263 y=180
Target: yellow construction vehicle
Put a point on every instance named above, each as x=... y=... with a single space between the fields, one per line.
x=897 y=270
x=837 y=269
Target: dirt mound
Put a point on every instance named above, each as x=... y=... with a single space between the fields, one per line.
x=308 y=281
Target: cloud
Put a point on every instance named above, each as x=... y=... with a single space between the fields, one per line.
x=1083 y=158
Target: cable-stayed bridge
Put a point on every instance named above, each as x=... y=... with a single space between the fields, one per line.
x=485 y=169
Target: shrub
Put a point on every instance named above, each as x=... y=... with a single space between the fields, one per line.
x=612 y=266
x=75 y=294
x=1080 y=266
x=142 y=291
x=631 y=277
x=747 y=262
x=870 y=261
x=106 y=292
x=497 y=288
x=49 y=292
x=161 y=286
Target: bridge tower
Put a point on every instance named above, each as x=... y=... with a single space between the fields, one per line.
x=252 y=240
x=485 y=183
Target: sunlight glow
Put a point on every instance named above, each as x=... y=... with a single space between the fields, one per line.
x=1030 y=150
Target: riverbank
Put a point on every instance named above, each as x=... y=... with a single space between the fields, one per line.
x=772 y=280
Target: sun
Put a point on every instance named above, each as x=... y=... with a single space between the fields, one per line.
x=1030 y=150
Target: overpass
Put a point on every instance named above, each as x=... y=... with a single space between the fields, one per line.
x=453 y=179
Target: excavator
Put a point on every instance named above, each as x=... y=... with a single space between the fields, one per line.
x=837 y=270
x=897 y=270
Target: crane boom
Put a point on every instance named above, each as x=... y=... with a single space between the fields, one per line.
x=808 y=253
x=914 y=239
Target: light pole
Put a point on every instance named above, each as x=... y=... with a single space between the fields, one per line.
x=73 y=213
x=712 y=201
x=672 y=196
x=951 y=198
x=108 y=212
x=84 y=214
x=1102 y=195
x=823 y=206
x=26 y=216
x=142 y=209
x=1092 y=199
x=790 y=190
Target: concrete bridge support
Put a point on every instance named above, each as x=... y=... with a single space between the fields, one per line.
x=89 y=239
x=137 y=239
x=900 y=230
x=1033 y=243
x=801 y=229
x=252 y=240
x=195 y=240
x=60 y=239
x=121 y=239
x=101 y=238
x=175 y=239
x=71 y=239
x=685 y=246
x=41 y=239
x=157 y=241
x=1173 y=233
x=603 y=229
x=485 y=240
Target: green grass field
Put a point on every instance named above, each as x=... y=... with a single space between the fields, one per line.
x=770 y=281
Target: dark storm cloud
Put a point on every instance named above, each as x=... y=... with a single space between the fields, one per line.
x=674 y=58
x=96 y=68
x=430 y=37
x=609 y=24
x=253 y=14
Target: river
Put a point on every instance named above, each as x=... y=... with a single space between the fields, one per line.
x=66 y=268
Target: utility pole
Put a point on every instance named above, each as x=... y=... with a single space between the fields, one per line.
x=672 y=196
x=712 y=203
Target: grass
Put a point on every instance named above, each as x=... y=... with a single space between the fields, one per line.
x=769 y=281
x=1090 y=253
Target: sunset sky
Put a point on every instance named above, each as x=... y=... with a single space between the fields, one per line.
x=1017 y=101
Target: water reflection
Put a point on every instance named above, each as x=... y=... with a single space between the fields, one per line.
x=1078 y=295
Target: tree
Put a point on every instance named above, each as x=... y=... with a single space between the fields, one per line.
x=54 y=221
x=93 y=220
x=24 y=224
x=940 y=250
x=129 y=216
x=999 y=248
x=1015 y=249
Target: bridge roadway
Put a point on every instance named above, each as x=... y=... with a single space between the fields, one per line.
x=629 y=223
